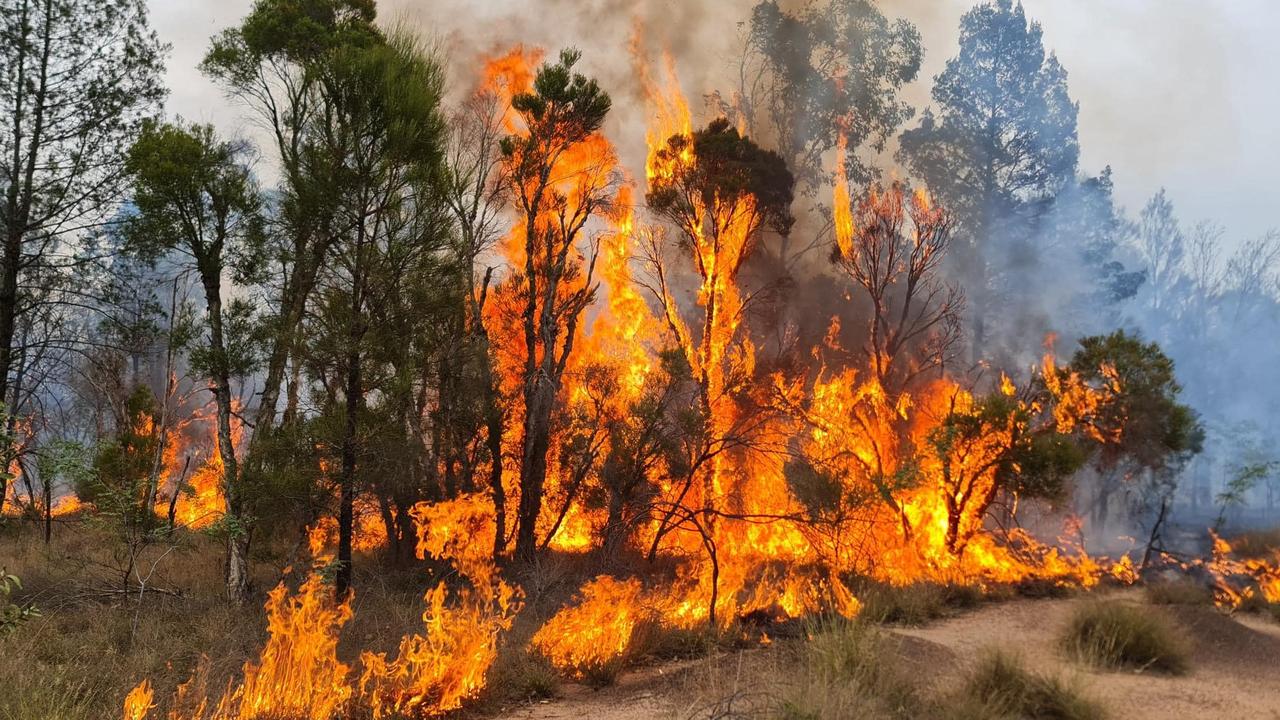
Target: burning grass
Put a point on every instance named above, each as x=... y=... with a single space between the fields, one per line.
x=1117 y=635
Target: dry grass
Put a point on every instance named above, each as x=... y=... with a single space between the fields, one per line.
x=914 y=604
x=1257 y=543
x=1180 y=591
x=999 y=687
x=94 y=642
x=1115 y=635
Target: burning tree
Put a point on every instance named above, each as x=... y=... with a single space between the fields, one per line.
x=560 y=174
x=890 y=245
x=719 y=189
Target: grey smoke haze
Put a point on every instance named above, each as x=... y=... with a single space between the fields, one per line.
x=1179 y=93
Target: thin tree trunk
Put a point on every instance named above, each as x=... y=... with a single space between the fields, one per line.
x=238 y=533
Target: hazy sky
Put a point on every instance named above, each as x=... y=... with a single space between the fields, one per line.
x=1179 y=93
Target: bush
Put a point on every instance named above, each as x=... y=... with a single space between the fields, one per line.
x=1000 y=687
x=1115 y=635
x=1183 y=591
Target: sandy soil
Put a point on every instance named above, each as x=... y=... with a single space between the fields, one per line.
x=1235 y=662
x=1235 y=667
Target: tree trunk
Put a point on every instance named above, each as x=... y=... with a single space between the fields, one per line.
x=533 y=464
x=354 y=392
x=238 y=532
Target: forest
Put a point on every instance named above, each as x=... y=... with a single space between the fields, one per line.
x=422 y=396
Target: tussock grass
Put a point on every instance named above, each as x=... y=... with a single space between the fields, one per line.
x=519 y=675
x=1115 y=635
x=1181 y=591
x=846 y=670
x=999 y=687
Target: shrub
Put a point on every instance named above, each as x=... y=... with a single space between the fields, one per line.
x=1000 y=687
x=1115 y=635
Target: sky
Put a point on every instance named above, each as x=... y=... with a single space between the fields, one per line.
x=1181 y=94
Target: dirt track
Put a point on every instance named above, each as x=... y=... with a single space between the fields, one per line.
x=1235 y=668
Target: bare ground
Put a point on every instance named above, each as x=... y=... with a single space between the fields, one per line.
x=1235 y=667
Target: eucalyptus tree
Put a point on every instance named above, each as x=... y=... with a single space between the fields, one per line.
x=197 y=199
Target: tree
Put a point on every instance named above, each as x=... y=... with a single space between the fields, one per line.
x=811 y=73
x=276 y=62
x=1163 y=247
x=475 y=193
x=1084 y=230
x=1000 y=144
x=891 y=245
x=1151 y=434
x=1000 y=444
x=718 y=189
x=77 y=77
x=559 y=177
x=385 y=146
x=196 y=197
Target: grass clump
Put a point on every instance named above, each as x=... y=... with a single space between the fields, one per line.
x=846 y=670
x=519 y=676
x=1114 y=635
x=1183 y=591
x=999 y=687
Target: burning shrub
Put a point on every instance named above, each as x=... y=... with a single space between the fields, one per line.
x=590 y=640
x=1114 y=635
x=1000 y=687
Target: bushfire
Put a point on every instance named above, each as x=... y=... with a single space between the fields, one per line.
x=718 y=485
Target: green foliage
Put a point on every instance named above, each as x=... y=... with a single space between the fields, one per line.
x=1155 y=430
x=1028 y=457
x=564 y=108
x=1244 y=478
x=1115 y=635
x=826 y=68
x=123 y=464
x=12 y=616
x=301 y=32
x=194 y=193
x=728 y=169
x=999 y=687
